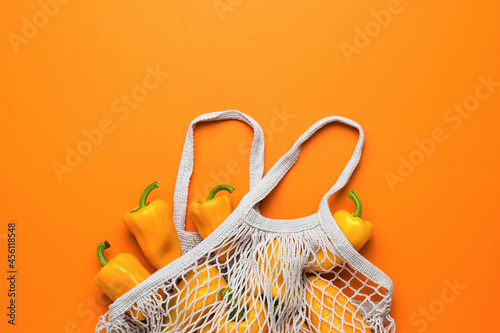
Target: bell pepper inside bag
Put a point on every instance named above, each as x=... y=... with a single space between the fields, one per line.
x=330 y=311
x=356 y=230
x=119 y=275
x=193 y=298
x=153 y=227
x=270 y=273
x=208 y=215
x=243 y=314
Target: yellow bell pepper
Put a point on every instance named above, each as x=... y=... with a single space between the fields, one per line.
x=247 y=317
x=209 y=215
x=119 y=275
x=354 y=228
x=268 y=256
x=330 y=311
x=153 y=227
x=194 y=297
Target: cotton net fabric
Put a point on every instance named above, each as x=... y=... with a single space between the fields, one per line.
x=257 y=274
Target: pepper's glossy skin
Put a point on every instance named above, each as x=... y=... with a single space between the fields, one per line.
x=208 y=215
x=254 y=320
x=154 y=229
x=356 y=230
x=120 y=275
x=329 y=307
x=194 y=297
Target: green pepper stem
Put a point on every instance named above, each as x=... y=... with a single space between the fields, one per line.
x=100 y=252
x=357 y=202
x=144 y=195
x=218 y=188
x=233 y=306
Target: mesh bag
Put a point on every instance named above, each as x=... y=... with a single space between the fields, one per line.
x=256 y=169
x=256 y=274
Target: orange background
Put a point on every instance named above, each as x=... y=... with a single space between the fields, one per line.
x=282 y=62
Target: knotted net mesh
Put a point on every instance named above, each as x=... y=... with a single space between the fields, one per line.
x=260 y=281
